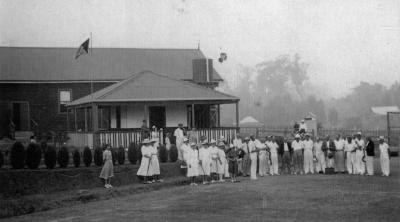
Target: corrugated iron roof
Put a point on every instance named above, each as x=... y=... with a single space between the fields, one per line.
x=59 y=64
x=149 y=86
x=383 y=110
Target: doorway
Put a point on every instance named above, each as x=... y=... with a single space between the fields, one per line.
x=20 y=115
x=157 y=116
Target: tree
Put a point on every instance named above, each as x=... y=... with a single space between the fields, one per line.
x=333 y=117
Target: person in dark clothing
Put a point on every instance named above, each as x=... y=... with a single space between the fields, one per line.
x=285 y=151
x=369 y=157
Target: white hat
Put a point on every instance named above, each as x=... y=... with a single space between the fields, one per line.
x=153 y=140
x=192 y=144
x=297 y=136
x=302 y=121
x=381 y=138
x=185 y=139
x=221 y=144
x=212 y=141
x=358 y=133
x=204 y=142
x=231 y=145
x=146 y=141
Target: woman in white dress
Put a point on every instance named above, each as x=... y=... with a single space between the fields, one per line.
x=191 y=158
x=108 y=169
x=155 y=164
x=145 y=164
x=384 y=156
x=205 y=162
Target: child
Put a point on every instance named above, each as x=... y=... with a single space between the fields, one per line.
x=384 y=156
x=144 y=169
x=191 y=158
x=155 y=164
x=205 y=162
x=108 y=169
x=232 y=156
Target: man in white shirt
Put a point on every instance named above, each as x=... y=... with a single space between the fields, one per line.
x=320 y=156
x=384 y=156
x=253 y=158
x=246 y=163
x=297 y=147
x=360 y=146
x=308 y=155
x=178 y=133
x=339 y=154
x=273 y=147
x=350 y=149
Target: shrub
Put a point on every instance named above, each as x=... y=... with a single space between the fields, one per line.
x=162 y=151
x=43 y=146
x=1 y=159
x=50 y=157
x=33 y=155
x=138 y=152
x=114 y=156
x=121 y=155
x=76 y=158
x=63 y=157
x=87 y=156
x=17 y=156
x=173 y=153
x=132 y=154
x=98 y=156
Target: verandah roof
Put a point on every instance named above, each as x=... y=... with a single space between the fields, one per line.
x=148 y=86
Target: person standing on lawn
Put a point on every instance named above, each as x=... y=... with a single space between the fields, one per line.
x=360 y=146
x=262 y=156
x=297 y=147
x=238 y=143
x=369 y=157
x=330 y=152
x=179 y=136
x=145 y=164
x=286 y=156
x=384 y=156
x=308 y=145
x=214 y=160
x=232 y=156
x=108 y=169
x=184 y=147
x=253 y=158
x=221 y=161
x=273 y=151
x=155 y=164
x=350 y=150
x=319 y=155
x=191 y=158
x=205 y=162
x=246 y=163
x=339 y=154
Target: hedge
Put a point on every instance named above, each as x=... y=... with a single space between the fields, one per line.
x=121 y=155
x=98 y=156
x=17 y=156
x=63 y=157
x=50 y=157
x=114 y=156
x=132 y=154
x=173 y=153
x=33 y=156
x=76 y=158
x=162 y=151
x=1 y=159
x=87 y=156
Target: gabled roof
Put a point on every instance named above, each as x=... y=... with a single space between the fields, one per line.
x=148 y=86
x=250 y=121
x=59 y=64
x=383 y=110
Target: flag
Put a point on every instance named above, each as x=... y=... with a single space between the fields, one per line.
x=83 y=49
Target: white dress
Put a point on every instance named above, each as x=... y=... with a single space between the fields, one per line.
x=192 y=159
x=214 y=159
x=144 y=169
x=384 y=158
x=155 y=164
x=205 y=157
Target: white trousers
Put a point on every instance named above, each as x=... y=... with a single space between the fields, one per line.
x=308 y=161
x=321 y=165
x=360 y=165
x=351 y=162
x=253 y=167
x=262 y=164
x=385 y=165
x=370 y=165
x=274 y=168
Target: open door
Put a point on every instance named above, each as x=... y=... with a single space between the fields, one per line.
x=20 y=116
x=157 y=116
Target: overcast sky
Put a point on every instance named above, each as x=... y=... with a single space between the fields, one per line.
x=343 y=41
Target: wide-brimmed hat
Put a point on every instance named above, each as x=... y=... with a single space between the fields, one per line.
x=297 y=136
x=381 y=138
x=359 y=133
x=185 y=139
x=153 y=140
x=146 y=141
x=221 y=144
x=192 y=144
x=212 y=141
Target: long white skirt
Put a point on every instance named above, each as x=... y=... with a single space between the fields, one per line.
x=192 y=168
x=144 y=169
x=205 y=167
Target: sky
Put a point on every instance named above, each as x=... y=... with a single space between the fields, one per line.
x=343 y=41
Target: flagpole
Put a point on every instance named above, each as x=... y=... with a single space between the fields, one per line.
x=91 y=76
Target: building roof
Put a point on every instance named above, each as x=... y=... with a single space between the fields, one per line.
x=148 y=86
x=112 y=64
x=250 y=121
x=383 y=110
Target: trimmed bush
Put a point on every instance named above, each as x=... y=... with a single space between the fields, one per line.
x=87 y=156
x=63 y=157
x=50 y=157
x=173 y=153
x=162 y=151
x=76 y=158
x=17 y=156
x=98 y=156
x=33 y=156
x=1 y=159
x=43 y=146
x=114 y=156
x=132 y=154
x=121 y=155
x=139 y=152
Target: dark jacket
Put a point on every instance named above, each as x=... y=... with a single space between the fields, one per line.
x=370 y=148
x=282 y=148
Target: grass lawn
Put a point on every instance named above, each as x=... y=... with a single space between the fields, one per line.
x=277 y=198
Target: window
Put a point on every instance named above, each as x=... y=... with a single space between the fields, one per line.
x=65 y=96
